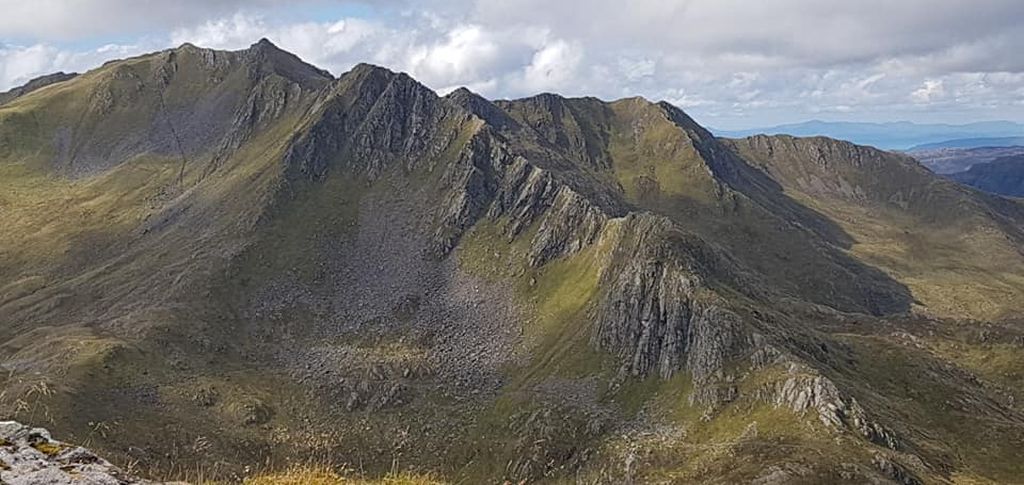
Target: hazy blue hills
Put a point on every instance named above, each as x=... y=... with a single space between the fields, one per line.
x=896 y=135
x=969 y=143
x=1003 y=176
x=953 y=160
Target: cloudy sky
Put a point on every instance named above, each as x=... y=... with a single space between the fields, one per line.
x=730 y=63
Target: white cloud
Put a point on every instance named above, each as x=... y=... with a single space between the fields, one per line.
x=553 y=67
x=19 y=64
x=729 y=61
x=466 y=52
x=931 y=90
x=49 y=20
x=637 y=69
x=683 y=99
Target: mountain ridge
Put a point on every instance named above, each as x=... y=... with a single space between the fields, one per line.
x=34 y=84
x=344 y=258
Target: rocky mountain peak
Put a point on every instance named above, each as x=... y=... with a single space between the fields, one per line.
x=370 y=118
x=371 y=81
x=368 y=70
x=264 y=44
x=678 y=116
x=482 y=108
x=287 y=65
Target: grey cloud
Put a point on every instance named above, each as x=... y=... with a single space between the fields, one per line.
x=727 y=61
x=792 y=32
x=70 y=20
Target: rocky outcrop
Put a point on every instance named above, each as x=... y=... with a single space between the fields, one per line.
x=490 y=181
x=659 y=317
x=371 y=119
x=803 y=390
x=897 y=472
x=29 y=456
x=483 y=108
x=471 y=187
x=571 y=224
x=576 y=127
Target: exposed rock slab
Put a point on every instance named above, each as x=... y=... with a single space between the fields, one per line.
x=29 y=456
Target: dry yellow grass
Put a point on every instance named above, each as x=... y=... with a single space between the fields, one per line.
x=323 y=475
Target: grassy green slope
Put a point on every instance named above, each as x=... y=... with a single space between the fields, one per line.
x=814 y=229
x=958 y=251
x=659 y=160
x=107 y=295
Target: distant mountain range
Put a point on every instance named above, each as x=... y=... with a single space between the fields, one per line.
x=901 y=135
x=969 y=143
x=1002 y=176
x=954 y=160
x=999 y=170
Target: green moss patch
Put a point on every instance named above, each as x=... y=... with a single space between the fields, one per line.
x=917 y=391
x=49 y=448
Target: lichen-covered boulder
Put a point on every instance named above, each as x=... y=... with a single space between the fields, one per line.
x=29 y=456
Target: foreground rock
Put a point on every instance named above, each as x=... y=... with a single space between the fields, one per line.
x=29 y=456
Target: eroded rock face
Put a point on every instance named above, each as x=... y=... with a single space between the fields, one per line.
x=489 y=181
x=29 y=456
x=655 y=312
x=660 y=318
x=898 y=473
x=802 y=391
x=370 y=119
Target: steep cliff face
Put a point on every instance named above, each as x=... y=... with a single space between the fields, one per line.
x=658 y=314
x=490 y=182
x=576 y=127
x=372 y=118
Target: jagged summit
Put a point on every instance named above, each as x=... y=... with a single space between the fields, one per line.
x=264 y=43
x=484 y=108
x=364 y=67
x=216 y=259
